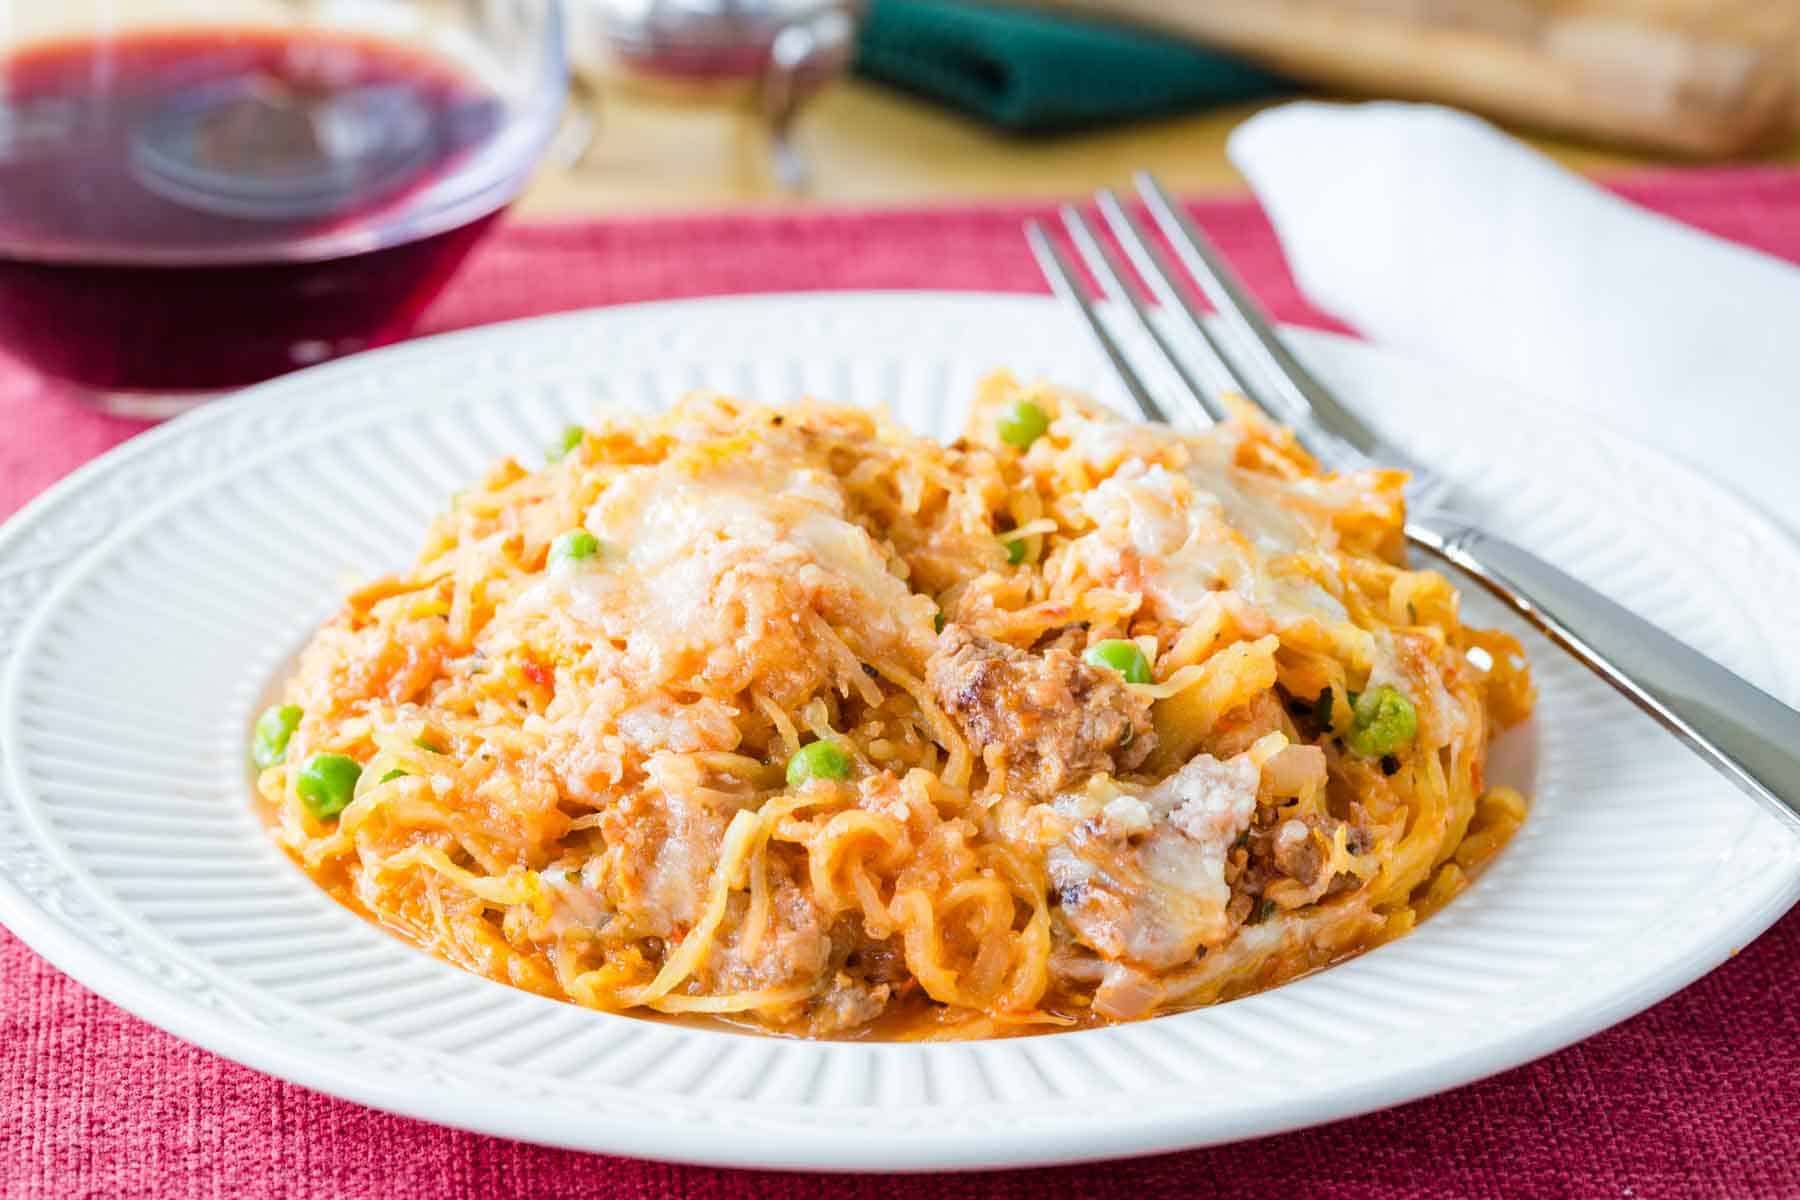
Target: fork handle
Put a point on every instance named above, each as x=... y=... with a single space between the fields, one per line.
x=1748 y=735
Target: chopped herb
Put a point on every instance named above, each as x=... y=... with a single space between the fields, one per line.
x=392 y=775
x=428 y=744
x=1323 y=708
x=1263 y=912
x=937 y=623
x=1015 y=551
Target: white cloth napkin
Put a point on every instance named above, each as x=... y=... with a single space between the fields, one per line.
x=1430 y=230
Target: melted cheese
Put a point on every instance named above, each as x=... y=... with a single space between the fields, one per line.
x=1141 y=875
x=1193 y=533
x=677 y=547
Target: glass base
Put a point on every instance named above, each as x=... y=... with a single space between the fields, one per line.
x=150 y=405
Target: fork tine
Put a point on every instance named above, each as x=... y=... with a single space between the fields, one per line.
x=1105 y=267
x=1154 y=268
x=1304 y=399
x=1062 y=281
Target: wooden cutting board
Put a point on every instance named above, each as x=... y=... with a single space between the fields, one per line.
x=1701 y=78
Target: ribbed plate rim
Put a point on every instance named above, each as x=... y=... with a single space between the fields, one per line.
x=941 y=1149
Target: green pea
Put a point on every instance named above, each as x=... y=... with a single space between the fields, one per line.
x=1015 y=551
x=327 y=784
x=1385 y=721
x=392 y=775
x=819 y=760
x=1022 y=423
x=576 y=545
x=571 y=438
x=1120 y=655
x=269 y=743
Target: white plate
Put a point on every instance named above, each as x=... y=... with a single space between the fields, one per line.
x=146 y=602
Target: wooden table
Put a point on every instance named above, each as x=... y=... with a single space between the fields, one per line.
x=870 y=145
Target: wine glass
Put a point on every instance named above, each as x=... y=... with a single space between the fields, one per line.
x=199 y=194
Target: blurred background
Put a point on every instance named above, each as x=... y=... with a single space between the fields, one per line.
x=969 y=98
x=200 y=194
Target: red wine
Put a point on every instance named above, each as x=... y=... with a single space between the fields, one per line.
x=204 y=209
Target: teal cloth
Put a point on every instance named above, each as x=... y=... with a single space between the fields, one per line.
x=1032 y=71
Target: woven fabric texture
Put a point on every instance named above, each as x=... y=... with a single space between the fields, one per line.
x=1028 y=71
x=1695 y=1097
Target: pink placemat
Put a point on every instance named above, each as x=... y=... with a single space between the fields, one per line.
x=1698 y=1096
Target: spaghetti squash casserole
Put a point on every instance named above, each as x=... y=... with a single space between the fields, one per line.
x=796 y=719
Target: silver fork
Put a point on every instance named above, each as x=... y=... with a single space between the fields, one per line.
x=1742 y=731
